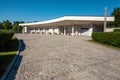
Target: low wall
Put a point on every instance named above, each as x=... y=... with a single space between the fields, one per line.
x=111 y=29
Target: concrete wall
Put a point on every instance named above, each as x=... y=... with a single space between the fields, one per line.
x=51 y=30
x=110 y=29
x=90 y=31
x=56 y=30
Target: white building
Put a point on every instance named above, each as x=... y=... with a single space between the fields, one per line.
x=67 y=25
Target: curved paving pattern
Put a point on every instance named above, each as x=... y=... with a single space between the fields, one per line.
x=50 y=57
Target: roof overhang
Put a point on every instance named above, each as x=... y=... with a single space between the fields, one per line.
x=70 y=20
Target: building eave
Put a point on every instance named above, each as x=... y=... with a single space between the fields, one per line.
x=70 y=18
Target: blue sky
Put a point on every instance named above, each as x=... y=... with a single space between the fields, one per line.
x=37 y=10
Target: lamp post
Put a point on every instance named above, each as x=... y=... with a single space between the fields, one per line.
x=105 y=18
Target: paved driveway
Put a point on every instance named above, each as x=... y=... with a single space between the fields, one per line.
x=50 y=57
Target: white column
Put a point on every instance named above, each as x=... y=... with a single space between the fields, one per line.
x=39 y=30
x=76 y=30
x=64 y=30
x=25 y=29
x=79 y=31
x=44 y=31
x=56 y=30
x=34 y=30
x=72 y=30
x=52 y=31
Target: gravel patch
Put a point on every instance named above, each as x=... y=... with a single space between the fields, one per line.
x=56 y=57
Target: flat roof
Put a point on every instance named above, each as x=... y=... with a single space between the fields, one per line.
x=70 y=20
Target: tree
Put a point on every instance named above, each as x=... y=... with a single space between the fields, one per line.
x=7 y=24
x=116 y=13
x=16 y=26
x=1 y=25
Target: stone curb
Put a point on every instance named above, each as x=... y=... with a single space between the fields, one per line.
x=5 y=75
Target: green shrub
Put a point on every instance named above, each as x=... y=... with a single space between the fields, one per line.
x=5 y=35
x=14 y=38
x=110 y=38
x=116 y=30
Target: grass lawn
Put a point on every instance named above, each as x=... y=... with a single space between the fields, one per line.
x=104 y=44
x=6 y=54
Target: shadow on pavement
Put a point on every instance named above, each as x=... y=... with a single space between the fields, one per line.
x=23 y=46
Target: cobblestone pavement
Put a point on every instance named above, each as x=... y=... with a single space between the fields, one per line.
x=52 y=57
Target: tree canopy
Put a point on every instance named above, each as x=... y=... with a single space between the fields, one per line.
x=116 y=14
x=16 y=26
x=7 y=24
x=1 y=25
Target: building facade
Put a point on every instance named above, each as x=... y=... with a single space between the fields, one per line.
x=67 y=25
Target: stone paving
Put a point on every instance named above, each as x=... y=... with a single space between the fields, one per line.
x=56 y=57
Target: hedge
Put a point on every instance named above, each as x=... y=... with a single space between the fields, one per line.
x=116 y=30
x=5 y=35
x=110 y=38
